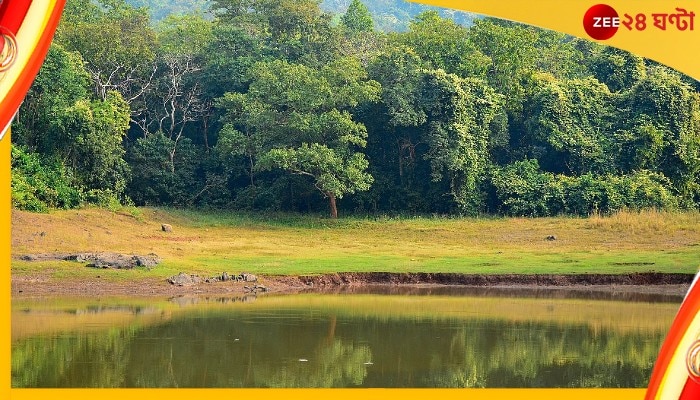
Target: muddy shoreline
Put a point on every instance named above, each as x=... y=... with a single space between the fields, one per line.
x=624 y=285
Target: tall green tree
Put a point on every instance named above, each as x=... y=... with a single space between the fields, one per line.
x=117 y=43
x=517 y=53
x=61 y=82
x=569 y=124
x=357 y=18
x=460 y=112
x=513 y=55
x=98 y=128
x=666 y=111
x=429 y=136
x=294 y=30
x=178 y=98
x=395 y=145
x=235 y=47
x=299 y=119
x=445 y=45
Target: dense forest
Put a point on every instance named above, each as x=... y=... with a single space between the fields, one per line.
x=280 y=105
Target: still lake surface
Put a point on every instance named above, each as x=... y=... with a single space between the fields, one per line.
x=375 y=337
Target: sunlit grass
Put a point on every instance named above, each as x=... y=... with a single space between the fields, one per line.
x=291 y=244
x=648 y=222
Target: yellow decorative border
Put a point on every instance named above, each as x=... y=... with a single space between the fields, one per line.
x=329 y=394
x=28 y=37
x=677 y=49
x=677 y=373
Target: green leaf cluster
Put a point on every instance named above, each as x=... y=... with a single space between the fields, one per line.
x=285 y=106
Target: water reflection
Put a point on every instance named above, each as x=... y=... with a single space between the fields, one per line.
x=674 y=295
x=357 y=340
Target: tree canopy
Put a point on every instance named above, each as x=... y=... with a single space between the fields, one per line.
x=309 y=107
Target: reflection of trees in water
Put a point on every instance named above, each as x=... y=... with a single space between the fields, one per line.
x=92 y=360
x=334 y=365
x=263 y=349
x=500 y=354
x=244 y=351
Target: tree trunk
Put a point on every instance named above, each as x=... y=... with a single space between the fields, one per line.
x=172 y=160
x=205 y=133
x=400 y=166
x=334 y=207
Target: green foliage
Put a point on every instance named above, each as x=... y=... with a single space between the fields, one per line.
x=184 y=34
x=569 y=119
x=162 y=9
x=333 y=174
x=396 y=15
x=459 y=113
x=435 y=126
x=297 y=118
x=98 y=153
x=639 y=147
x=522 y=189
x=157 y=181
x=114 y=38
x=292 y=30
x=357 y=18
x=399 y=72
x=38 y=185
x=511 y=49
x=665 y=111
x=61 y=82
x=618 y=69
x=275 y=105
x=61 y=122
x=445 y=45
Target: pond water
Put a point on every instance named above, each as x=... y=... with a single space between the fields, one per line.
x=405 y=338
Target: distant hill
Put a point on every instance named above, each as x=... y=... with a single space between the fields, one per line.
x=395 y=15
x=388 y=15
x=162 y=8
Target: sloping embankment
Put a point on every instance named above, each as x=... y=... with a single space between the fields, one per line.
x=645 y=278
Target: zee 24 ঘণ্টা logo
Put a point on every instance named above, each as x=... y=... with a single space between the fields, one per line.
x=602 y=22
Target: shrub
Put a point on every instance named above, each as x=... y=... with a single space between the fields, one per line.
x=38 y=185
x=522 y=189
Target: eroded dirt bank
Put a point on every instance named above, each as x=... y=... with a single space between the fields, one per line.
x=656 y=283
x=650 y=278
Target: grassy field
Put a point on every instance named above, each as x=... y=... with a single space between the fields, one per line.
x=213 y=242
